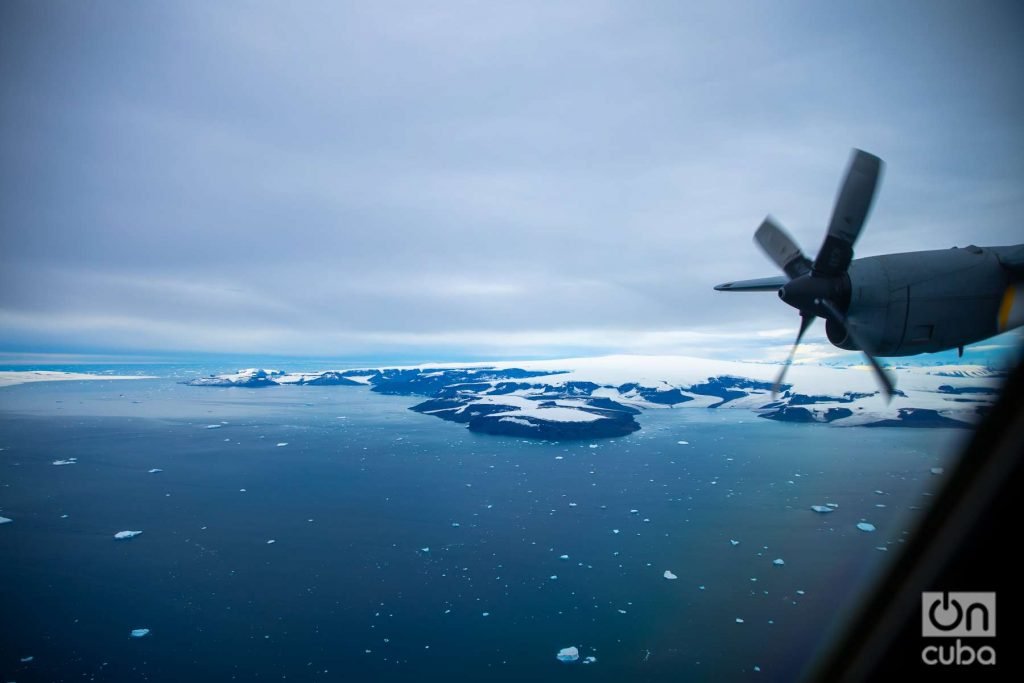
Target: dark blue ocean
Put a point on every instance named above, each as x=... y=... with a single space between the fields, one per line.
x=406 y=548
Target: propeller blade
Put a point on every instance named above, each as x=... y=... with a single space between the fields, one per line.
x=764 y=284
x=805 y=322
x=781 y=248
x=849 y=214
x=883 y=378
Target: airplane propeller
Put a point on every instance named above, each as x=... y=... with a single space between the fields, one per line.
x=821 y=289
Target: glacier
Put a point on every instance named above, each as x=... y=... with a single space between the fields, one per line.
x=587 y=398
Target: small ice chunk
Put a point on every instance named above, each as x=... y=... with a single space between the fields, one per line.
x=593 y=445
x=455 y=524
x=669 y=575
x=865 y=526
x=800 y=592
x=879 y=493
x=553 y=577
x=757 y=668
x=568 y=654
x=589 y=660
x=622 y=611
x=485 y=614
x=124 y=535
x=69 y=461
x=934 y=470
x=700 y=587
x=779 y=562
x=422 y=550
x=738 y=620
x=213 y=426
x=5 y=520
x=271 y=541
x=140 y=632
x=282 y=443
x=634 y=512
x=26 y=660
x=734 y=542
x=822 y=508
x=155 y=470
x=563 y=557
x=615 y=531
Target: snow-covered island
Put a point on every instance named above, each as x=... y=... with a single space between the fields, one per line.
x=585 y=398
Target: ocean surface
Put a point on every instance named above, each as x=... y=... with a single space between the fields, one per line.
x=406 y=548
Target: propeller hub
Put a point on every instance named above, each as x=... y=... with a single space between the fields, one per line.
x=805 y=293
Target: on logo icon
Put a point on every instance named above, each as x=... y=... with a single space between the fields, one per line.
x=958 y=615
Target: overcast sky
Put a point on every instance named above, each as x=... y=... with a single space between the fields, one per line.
x=463 y=180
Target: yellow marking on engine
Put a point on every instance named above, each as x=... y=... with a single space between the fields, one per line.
x=1006 y=306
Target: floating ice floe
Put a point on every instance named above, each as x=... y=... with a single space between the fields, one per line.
x=155 y=470
x=124 y=535
x=669 y=575
x=865 y=526
x=822 y=508
x=778 y=563
x=140 y=632
x=568 y=654
x=5 y=520
x=69 y=461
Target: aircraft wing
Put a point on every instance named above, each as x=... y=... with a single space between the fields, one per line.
x=1012 y=259
x=764 y=284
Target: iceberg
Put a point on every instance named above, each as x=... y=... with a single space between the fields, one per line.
x=124 y=535
x=669 y=575
x=865 y=526
x=822 y=508
x=140 y=632
x=568 y=654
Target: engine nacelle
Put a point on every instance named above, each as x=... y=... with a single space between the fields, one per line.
x=923 y=302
